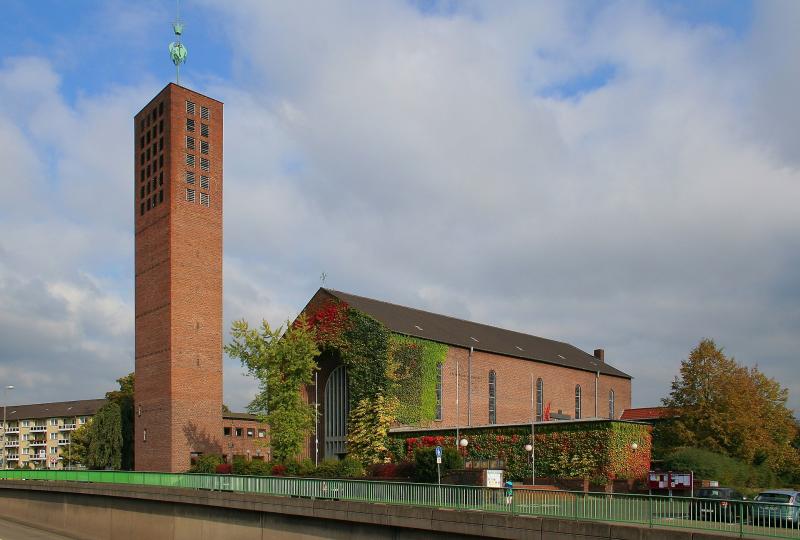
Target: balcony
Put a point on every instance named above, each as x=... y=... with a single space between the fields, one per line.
x=13 y=429
x=38 y=428
x=66 y=427
x=37 y=442
x=12 y=444
x=63 y=442
x=12 y=457
x=39 y=457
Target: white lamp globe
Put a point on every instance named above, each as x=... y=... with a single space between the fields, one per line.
x=634 y=446
x=528 y=447
x=463 y=442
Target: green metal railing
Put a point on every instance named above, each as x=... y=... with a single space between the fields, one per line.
x=742 y=518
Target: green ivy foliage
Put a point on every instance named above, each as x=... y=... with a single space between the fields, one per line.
x=365 y=354
x=598 y=450
x=413 y=369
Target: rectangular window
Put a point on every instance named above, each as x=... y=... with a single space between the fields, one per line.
x=26 y=423
x=54 y=436
x=190 y=124
x=161 y=161
x=204 y=147
x=160 y=144
x=189 y=160
x=226 y=431
x=189 y=195
x=204 y=130
x=26 y=451
x=161 y=108
x=141 y=142
x=204 y=112
x=25 y=436
x=190 y=143
x=141 y=176
x=161 y=127
x=239 y=431
x=492 y=397
x=204 y=164
x=262 y=433
x=54 y=450
x=204 y=200
x=54 y=421
x=190 y=107
x=189 y=177
x=204 y=182
x=141 y=209
x=250 y=433
x=160 y=196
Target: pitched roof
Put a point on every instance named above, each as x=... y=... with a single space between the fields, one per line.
x=84 y=407
x=482 y=337
x=646 y=413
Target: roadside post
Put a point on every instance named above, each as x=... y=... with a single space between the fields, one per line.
x=439 y=472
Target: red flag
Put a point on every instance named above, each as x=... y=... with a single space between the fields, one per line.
x=547 y=412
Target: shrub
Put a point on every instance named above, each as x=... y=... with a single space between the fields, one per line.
x=382 y=470
x=307 y=468
x=425 y=463
x=279 y=470
x=328 y=468
x=350 y=468
x=224 y=468
x=206 y=464
x=728 y=471
x=405 y=469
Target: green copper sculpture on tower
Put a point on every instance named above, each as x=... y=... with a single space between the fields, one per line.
x=176 y=49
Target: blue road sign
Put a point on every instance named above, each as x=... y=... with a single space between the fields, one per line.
x=438 y=451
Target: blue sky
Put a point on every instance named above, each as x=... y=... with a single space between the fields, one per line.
x=612 y=174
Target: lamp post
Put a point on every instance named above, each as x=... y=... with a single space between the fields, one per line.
x=462 y=445
x=5 y=427
x=529 y=449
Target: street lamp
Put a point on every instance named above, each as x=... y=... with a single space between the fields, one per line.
x=634 y=446
x=529 y=449
x=5 y=427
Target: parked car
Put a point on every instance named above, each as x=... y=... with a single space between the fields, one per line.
x=716 y=504
x=777 y=507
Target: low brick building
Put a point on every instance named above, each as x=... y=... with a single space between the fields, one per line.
x=489 y=376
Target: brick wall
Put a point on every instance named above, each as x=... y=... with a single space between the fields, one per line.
x=513 y=383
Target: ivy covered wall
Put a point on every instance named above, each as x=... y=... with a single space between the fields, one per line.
x=601 y=450
x=391 y=377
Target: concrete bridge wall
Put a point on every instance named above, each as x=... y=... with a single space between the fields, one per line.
x=103 y=511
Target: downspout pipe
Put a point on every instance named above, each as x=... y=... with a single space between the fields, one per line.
x=596 y=385
x=469 y=388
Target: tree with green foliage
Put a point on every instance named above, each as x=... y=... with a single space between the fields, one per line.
x=105 y=438
x=283 y=362
x=368 y=429
x=727 y=408
x=124 y=398
x=75 y=454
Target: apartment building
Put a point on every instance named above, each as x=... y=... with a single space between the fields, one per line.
x=39 y=435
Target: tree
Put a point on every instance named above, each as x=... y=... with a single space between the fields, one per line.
x=78 y=446
x=105 y=438
x=283 y=362
x=124 y=398
x=731 y=409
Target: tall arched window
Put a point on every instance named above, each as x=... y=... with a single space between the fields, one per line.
x=492 y=397
x=577 y=402
x=438 y=391
x=335 y=413
x=539 y=400
x=611 y=404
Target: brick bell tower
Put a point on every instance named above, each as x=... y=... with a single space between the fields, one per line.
x=178 y=230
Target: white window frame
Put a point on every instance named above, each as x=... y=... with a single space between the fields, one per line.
x=204 y=146
x=205 y=164
x=189 y=107
x=190 y=160
x=204 y=181
x=204 y=130
x=190 y=195
x=190 y=125
x=190 y=177
x=205 y=200
x=205 y=114
x=190 y=142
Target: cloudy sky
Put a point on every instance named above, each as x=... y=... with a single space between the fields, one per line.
x=623 y=175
